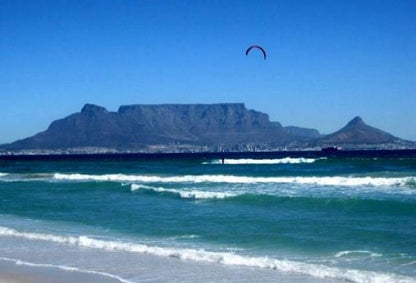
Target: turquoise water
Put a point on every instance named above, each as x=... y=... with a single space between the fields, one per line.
x=342 y=218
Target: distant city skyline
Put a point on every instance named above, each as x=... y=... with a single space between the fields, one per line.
x=327 y=61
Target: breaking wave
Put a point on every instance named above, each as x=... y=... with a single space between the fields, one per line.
x=304 y=196
x=226 y=258
x=286 y=160
x=193 y=194
x=323 y=181
x=25 y=177
x=357 y=252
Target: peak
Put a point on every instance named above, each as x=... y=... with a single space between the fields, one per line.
x=91 y=108
x=356 y=121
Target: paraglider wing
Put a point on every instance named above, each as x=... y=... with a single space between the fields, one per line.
x=258 y=47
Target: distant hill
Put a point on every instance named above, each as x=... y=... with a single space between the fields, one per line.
x=357 y=132
x=302 y=133
x=190 y=127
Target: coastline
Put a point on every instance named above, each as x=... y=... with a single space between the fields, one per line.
x=152 y=269
x=58 y=156
x=14 y=272
x=56 y=262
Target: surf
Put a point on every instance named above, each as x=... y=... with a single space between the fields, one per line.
x=245 y=161
x=234 y=179
x=201 y=255
x=191 y=194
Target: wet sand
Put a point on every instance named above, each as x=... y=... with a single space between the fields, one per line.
x=11 y=272
x=25 y=260
x=152 y=269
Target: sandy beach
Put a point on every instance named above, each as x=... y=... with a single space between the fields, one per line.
x=90 y=265
x=10 y=272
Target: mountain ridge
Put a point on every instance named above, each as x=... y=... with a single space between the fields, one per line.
x=192 y=127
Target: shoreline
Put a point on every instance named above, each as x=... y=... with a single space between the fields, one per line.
x=18 y=272
x=12 y=271
x=385 y=153
x=135 y=268
x=34 y=260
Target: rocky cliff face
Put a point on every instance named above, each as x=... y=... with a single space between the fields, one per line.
x=200 y=123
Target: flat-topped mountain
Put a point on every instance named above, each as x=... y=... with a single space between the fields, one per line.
x=137 y=126
x=190 y=127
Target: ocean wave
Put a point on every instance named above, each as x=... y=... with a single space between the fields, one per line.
x=357 y=252
x=410 y=263
x=271 y=194
x=193 y=194
x=184 y=237
x=65 y=268
x=226 y=258
x=323 y=181
x=25 y=177
x=286 y=160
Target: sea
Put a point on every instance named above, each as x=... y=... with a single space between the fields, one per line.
x=188 y=219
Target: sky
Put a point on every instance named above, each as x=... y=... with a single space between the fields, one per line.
x=328 y=61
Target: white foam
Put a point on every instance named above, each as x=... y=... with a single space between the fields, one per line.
x=286 y=160
x=192 y=236
x=4 y=231
x=25 y=177
x=194 y=194
x=324 y=181
x=362 y=252
x=316 y=270
x=65 y=268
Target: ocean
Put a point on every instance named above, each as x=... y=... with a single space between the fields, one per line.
x=316 y=218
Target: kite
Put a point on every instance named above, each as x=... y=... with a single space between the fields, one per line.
x=258 y=47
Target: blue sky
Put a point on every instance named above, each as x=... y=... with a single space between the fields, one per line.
x=328 y=61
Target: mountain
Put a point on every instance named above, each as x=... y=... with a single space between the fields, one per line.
x=358 y=135
x=304 y=133
x=138 y=126
x=190 y=127
x=357 y=132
